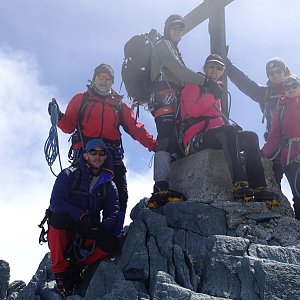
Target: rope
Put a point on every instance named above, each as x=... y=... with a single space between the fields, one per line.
x=51 y=147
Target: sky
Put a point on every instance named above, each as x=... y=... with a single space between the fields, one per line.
x=50 y=48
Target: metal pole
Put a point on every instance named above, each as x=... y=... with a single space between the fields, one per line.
x=216 y=29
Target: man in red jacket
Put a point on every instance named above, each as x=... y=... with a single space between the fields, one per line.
x=202 y=117
x=98 y=113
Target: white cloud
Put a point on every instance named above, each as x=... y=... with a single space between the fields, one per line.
x=25 y=179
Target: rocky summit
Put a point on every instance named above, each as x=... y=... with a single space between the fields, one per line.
x=208 y=247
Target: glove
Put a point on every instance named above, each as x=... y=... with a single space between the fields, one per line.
x=50 y=106
x=212 y=87
x=90 y=227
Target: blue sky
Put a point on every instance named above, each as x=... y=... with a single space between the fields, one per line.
x=50 y=48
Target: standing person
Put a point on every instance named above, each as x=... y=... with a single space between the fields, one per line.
x=201 y=114
x=168 y=73
x=78 y=198
x=99 y=112
x=284 y=137
x=266 y=96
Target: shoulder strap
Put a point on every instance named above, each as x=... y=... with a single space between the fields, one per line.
x=280 y=113
x=76 y=181
x=83 y=106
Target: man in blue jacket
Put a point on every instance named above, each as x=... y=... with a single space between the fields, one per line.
x=84 y=207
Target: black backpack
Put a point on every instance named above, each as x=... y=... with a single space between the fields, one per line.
x=137 y=64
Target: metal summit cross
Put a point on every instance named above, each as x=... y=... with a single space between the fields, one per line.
x=214 y=10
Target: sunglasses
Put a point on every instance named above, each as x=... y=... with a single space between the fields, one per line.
x=94 y=152
x=104 y=77
x=215 y=66
x=278 y=72
x=177 y=27
x=291 y=86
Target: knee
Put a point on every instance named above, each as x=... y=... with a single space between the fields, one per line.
x=250 y=139
x=59 y=220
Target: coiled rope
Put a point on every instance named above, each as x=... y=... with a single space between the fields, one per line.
x=51 y=147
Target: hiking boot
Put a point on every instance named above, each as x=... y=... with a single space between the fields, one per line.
x=64 y=283
x=242 y=191
x=261 y=194
x=162 y=197
x=75 y=275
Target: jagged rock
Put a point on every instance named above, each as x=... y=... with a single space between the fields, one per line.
x=166 y=288
x=38 y=285
x=209 y=247
x=157 y=252
x=205 y=177
x=196 y=217
x=4 y=278
x=265 y=279
x=202 y=176
x=103 y=281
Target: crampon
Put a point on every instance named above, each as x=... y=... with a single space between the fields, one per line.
x=162 y=197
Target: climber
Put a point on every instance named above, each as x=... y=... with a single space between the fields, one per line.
x=266 y=96
x=168 y=73
x=99 y=113
x=284 y=137
x=77 y=235
x=204 y=128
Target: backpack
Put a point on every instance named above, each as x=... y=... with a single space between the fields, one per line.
x=136 y=67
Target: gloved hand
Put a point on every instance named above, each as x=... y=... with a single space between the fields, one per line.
x=54 y=103
x=212 y=87
x=91 y=228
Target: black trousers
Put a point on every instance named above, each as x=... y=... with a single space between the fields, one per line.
x=121 y=184
x=233 y=142
x=292 y=172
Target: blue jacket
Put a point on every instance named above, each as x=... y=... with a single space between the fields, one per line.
x=266 y=96
x=78 y=202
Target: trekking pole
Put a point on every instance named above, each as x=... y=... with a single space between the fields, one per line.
x=51 y=147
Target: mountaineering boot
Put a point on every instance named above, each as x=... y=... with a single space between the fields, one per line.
x=162 y=197
x=261 y=194
x=64 y=283
x=75 y=275
x=242 y=191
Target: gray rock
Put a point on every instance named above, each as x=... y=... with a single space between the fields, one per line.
x=4 y=278
x=278 y=280
x=196 y=217
x=106 y=278
x=286 y=255
x=166 y=288
x=15 y=287
x=196 y=176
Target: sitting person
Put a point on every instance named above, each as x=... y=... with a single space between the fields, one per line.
x=284 y=138
x=202 y=118
x=77 y=236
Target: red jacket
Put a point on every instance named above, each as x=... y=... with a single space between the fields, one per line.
x=288 y=127
x=102 y=118
x=193 y=104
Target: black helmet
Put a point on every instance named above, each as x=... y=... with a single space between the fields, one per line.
x=171 y=20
